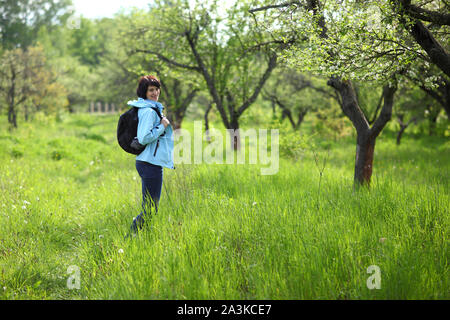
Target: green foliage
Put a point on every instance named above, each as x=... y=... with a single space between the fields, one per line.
x=65 y=179
x=293 y=144
x=331 y=123
x=219 y=49
x=357 y=39
x=364 y=40
x=87 y=42
x=21 y=20
x=28 y=84
x=88 y=61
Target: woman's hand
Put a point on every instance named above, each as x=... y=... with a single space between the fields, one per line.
x=165 y=122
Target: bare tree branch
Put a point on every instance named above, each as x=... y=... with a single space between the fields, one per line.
x=271 y=65
x=428 y=15
x=386 y=112
x=377 y=109
x=209 y=81
x=167 y=60
x=438 y=55
x=275 y=6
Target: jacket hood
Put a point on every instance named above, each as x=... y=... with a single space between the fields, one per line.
x=145 y=103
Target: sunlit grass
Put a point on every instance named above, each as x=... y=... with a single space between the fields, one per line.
x=69 y=193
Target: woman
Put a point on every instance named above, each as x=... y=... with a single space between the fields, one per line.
x=156 y=134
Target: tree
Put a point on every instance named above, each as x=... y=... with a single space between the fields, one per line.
x=297 y=94
x=327 y=51
x=412 y=18
x=374 y=39
x=20 y=20
x=433 y=40
x=179 y=96
x=50 y=97
x=90 y=40
x=411 y=108
x=177 y=89
x=439 y=90
x=125 y=66
x=284 y=92
x=23 y=76
x=88 y=62
x=234 y=59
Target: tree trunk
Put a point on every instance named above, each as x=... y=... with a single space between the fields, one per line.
x=235 y=134
x=301 y=117
x=432 y=127
x=403 y=126
x=176 y=118
x=446 y=94
x=400 y=133
x=177 y=101
x=365 y=148
x=287 y=113
x=208 y=138
x=366 y=136
x=26 y=112
x=12 y=115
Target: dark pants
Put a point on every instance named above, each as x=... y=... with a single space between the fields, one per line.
x=151 y=177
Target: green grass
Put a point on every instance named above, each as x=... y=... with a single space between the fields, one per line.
x=69 y=194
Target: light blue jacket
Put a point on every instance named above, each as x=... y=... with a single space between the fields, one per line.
x=159 y=142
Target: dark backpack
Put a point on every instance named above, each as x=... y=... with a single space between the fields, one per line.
x=127 y=131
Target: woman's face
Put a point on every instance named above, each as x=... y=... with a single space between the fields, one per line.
x=153 y=93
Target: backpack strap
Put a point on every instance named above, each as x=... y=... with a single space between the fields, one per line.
x=158 y=112
x=160 y=118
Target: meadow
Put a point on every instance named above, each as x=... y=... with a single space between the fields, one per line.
x=69 y=194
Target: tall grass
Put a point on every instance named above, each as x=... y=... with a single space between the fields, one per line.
x=69 y=194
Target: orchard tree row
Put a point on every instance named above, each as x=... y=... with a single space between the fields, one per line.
x=362 y=62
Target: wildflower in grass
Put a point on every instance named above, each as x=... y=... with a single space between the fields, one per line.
x=120 y=251
x=26 y=202
x=254 y=203
x=24 y=207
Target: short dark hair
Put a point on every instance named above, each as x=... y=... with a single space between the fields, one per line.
x=144 y=83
